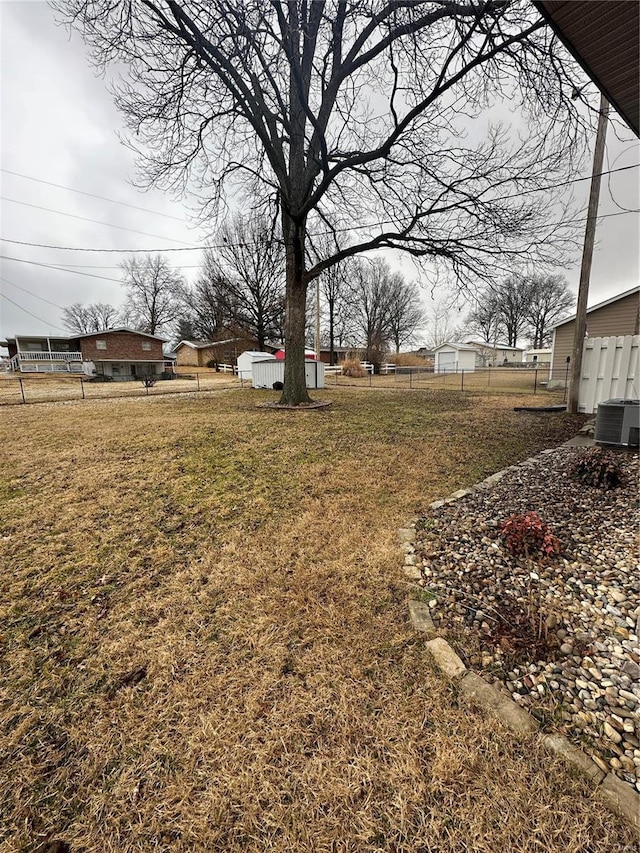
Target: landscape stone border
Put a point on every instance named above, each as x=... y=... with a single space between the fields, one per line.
x=619 y=796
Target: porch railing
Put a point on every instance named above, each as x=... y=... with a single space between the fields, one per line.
x=47 y=355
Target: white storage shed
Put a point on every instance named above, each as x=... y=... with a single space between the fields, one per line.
x=453 y=358
x=265 y=373
x=247 y=359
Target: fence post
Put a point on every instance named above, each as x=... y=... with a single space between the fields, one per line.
x=566 y=379
x=22 y=389
x=198 y=380
x=370 y=375
x=462 y=380
x=82 y=387
x=535 y=381
x=489 y=377
x=410 y=378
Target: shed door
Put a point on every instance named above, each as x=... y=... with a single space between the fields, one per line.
x=447 y=361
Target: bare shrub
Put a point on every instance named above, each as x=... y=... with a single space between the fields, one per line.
x=353 y=368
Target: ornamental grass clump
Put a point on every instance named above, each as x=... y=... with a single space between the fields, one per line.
x=598 y=468
x=353 y=368
x=529 y=536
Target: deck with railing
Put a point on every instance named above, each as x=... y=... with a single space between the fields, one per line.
x=46 y=361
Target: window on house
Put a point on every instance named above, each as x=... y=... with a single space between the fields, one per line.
x=101 y=344
x=146 y=345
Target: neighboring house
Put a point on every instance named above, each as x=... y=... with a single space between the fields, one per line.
x=44 y=354
x=339 y=354
x=426 y=353
x=452 y=357
x=495 y=355
x=613 y=317
x=538 y=356
x=170 y=359
x=208 y=353
x=119 y=353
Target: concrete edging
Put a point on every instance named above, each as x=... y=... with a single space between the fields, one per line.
x=616 y=793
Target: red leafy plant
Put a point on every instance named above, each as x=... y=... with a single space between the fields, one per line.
x=597 y=467
x=528 y=535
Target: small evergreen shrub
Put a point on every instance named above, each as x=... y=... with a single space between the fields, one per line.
x=528 y=535
x=597 y=467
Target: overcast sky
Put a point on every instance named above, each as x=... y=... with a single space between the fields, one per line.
x=59 y=125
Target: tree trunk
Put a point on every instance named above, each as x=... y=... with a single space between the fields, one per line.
x=295 y=385
x=331 y=333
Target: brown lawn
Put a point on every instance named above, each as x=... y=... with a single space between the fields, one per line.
x=205 y=643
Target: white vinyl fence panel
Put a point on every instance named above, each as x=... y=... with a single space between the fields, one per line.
x=610 y=369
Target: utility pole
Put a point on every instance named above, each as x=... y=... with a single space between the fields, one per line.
x=580 y=325
x=318 y=318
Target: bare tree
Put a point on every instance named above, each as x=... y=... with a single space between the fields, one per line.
x=405 y=312
x=549 y=301
x=94 y=317
x=208 y=306
x=336 y=293
x=441 y=324
x=155 y=293
x=486 y=318
x=252 y=260
x=373 y=284
x=514 y=297
x=349 y=117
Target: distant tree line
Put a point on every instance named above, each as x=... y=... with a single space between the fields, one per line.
x=521 y=308
x=240 y=291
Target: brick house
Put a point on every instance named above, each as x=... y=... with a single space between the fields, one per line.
x=122 y=353
x=207 y=353
x=119 y=353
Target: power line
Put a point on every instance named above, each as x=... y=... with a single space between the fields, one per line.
x=317 y=234
x=118 y=281
x=87 y=219
x=31 y=314
x=61 y=269
x=31 y=293
x=111 y=251
x=71 y=267
x=91 y=195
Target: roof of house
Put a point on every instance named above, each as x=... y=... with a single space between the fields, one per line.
x=120 y=330
x=626 y=293
x=74 y=336
x=603 y=36
x=457 y=346
x=206 y=344
x=485 y=345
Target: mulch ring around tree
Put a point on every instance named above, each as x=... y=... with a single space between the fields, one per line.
x=303 y=407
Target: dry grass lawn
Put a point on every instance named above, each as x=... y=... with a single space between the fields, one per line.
x=43 y=387
x=205 y=644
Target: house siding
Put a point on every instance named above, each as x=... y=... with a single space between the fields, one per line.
x=186 y=356
x=121 y=346
x=223 y=352
x=487 y=355
x=618 y=318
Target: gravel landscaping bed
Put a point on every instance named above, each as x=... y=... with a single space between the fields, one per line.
x=559 y=634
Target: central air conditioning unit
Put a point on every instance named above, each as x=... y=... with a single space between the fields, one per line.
x=618 y=422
